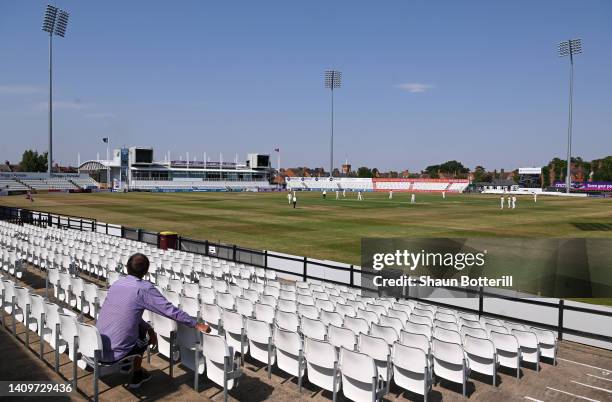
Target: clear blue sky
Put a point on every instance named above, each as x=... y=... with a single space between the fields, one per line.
x=476 y=81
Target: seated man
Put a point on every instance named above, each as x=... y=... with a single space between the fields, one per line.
x=122 y=329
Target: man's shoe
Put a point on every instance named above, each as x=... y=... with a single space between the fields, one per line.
x=138 y=378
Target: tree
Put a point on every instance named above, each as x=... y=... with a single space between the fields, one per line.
x=481 y=175
x=602 y=169
x=375 y=172
x=453 y=168
x=364 y=171
x=393 y=174
x=32 y=161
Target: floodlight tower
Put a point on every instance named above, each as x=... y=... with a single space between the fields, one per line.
x=55 y=22
x=333 y=80
x=570 y=48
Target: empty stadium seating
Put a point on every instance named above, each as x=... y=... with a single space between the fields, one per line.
x=53 y=183
x=332 y=335
x=148 y=185
x=12 y=185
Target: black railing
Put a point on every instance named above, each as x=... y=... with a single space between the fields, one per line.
x=260 y=259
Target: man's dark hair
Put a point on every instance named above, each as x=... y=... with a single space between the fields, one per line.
x=138 y=265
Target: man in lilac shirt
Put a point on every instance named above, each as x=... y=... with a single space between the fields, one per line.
x=122 y=329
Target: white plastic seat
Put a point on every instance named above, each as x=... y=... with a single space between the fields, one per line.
x=481 y=356
x=90 y=349
x=289 y=353
x=508 y=350
x=322 y=304
x=378 y=309
x=264 y=312
x=530 y=348
x=322 y=365
x=225 y=300
x=287 y=295
x=69 y=334
x=268 y=299
x=475 y=332
x=188 y=340
x=313 y=329
x=447 y=335
x=389 y=334
x=341 y=337
x=360 y=377
x=464 y=322
x=379 y=350
x=449 y=362
x=207 y=295
x=211 y=314
x=399 y=314
x=547 y=342
x=287 y=306
x=392 y=322
x=496 y=328
x=244 y=306
x=369 y=316
x=451 y=326
x=51 y=330
x=251 y=294
x=357 y=325
x=261 y=345
x=420 y=319
x=445 y=317
x=330 y=317
x=234 y=328
x=411 y=369
x=419 y=341
x=310 y=311
x=191 y=289
x=221 y=367
x=306 y=299
x=287 y=321
x=166 y=330
x=345 y=310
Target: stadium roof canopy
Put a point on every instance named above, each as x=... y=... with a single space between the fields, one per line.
x=94 y=165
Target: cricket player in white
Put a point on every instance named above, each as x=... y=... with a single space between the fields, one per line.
x=535 y=197
x=513 y=201
x=412 y=199
x=289 y=197
x=509 y=201
x=359 y=196
x=390 y=194
x=337 y=194
x=502 y=202
x=343 y=193
x=443 y=195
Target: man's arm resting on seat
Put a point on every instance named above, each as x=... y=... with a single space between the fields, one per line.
x=151 y=299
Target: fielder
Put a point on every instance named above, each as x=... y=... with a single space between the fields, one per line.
x=359 y=196
x=294 y=200
x=390 y=194
x=337 y=194
x=513 y=201
x=502 y=202
x=289 y=198
x=535 y=197
x=509 y=201
x=413 y=199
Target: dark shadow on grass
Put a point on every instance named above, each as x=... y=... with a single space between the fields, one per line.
x=593 y=227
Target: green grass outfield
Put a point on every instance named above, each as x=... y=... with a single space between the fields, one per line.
x=331 y=229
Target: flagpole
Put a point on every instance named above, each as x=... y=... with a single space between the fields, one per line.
x=108 y=167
